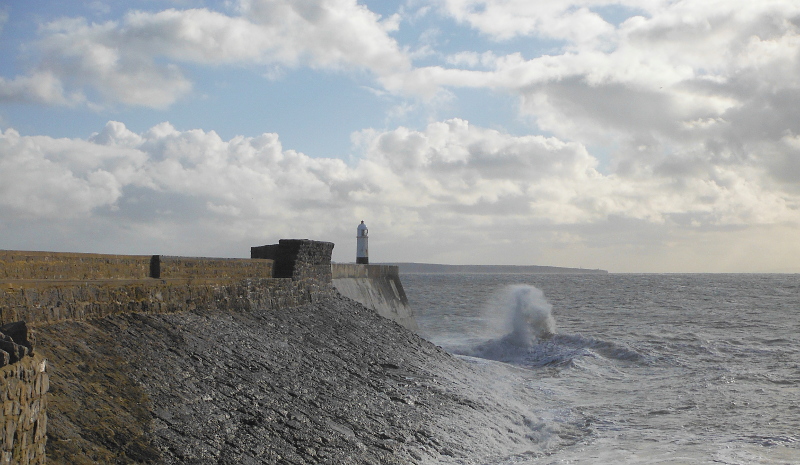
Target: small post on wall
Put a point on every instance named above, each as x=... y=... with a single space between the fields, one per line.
x=362 y=248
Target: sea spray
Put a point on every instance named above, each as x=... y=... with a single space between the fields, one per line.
x=530 y=315
x=523 y=314
x=519 y=319
x=520 y=329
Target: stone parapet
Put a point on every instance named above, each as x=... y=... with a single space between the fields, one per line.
x=20 y=265
x=215 y=268
x=71 y=266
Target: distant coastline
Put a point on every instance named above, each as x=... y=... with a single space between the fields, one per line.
x=520 y=269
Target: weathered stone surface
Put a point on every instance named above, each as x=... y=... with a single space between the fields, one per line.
x=15 y=351
x=299 y=259
x=52 y=265
x=23 y=417
x=41 y=303
x=216 y=268
x=23 y=265
x=376 y=286
x=326 y=383
x=18 y=332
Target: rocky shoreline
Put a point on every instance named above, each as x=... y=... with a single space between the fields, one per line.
x=328 y=382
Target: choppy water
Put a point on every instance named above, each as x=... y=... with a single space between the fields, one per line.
x=640 y=369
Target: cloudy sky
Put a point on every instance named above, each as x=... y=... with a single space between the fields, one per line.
x=627 y=135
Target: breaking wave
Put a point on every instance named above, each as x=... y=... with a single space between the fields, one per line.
x=522 y=318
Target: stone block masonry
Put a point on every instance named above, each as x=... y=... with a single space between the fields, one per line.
x=299 y=259
x=16 y=265
x=210 y=268
x=23 y=389
x=44 y=288
x=40 y=303
x=23 y=419
x=14 y=343
x=54 y=266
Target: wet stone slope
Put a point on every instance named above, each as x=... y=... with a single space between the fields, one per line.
x=329 y=382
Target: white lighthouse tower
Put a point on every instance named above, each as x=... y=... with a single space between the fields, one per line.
x=362 y=248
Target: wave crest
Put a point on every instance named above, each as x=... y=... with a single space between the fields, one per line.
x=525 y=314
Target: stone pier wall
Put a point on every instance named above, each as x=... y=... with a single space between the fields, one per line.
x=16 y=265
x=43 y=288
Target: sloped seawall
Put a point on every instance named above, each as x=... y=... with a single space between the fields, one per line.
x=377 y=287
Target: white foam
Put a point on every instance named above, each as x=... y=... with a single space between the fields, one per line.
x=523 y=314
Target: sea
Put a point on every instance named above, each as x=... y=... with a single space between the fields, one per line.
x=632 y=368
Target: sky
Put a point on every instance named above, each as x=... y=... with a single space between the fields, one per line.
x=628 y=135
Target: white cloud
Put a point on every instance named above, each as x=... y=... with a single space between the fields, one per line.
x=40 y=87
x=450 y=185
x=473 y=59
x=684 y=119
x=74 y=177
x=690 y=54
x=566 y=20
x=136 y=61
x=330 y=33
x=450 y=169
x=481 y=173
x=702 y=86
x=37 y=177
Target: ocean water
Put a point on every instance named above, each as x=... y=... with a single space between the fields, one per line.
x=632 y=369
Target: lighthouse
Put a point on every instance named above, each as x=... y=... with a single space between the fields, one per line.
x=362 y=248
